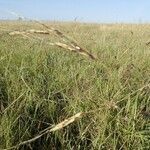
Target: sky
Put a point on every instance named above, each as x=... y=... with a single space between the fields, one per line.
x=100 y=11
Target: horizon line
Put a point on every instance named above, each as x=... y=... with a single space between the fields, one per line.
x=76 y=21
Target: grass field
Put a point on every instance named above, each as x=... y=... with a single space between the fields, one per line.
x=42 y=85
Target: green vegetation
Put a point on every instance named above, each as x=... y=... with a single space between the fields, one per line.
x=42 y=85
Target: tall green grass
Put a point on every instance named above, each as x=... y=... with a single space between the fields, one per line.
x=41 y=86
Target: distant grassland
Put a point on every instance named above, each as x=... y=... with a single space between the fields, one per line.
x=42 y=85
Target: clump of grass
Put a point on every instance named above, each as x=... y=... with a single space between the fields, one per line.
x=41 y=86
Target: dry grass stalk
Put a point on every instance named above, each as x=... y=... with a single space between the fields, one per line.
x=22 y=33
x=28 y=31
x=66 y=122
x=73 y=46
x=74 y=49
x=59 y=126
